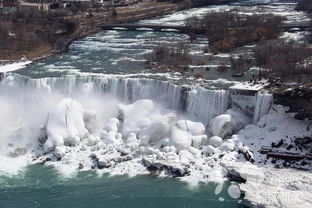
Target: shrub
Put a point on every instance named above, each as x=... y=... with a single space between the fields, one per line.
x=227 y=30
x=222 y=68
x=284 y=58
x=174 y=56
x=241 y=63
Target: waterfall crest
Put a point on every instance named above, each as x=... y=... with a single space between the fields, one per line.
x=200 y=103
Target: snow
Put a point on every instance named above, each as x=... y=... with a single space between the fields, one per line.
x=281 y=188
x=215 y=141
x=13 y=66
x=195 y=128
x=226 y=124
x=273 y=127
x=158 y=129
x=137 y=115
x=65 y=125
x=248 y=86
x=144 y=132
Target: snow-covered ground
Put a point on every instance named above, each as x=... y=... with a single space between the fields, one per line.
x=13 y=66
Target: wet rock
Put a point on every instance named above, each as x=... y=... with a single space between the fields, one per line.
x=104 y=164
x=305 y=142
x=45 y=160
x=289 y=147
x=233 y=175
x=81 y=166
x=277 y=145
x=157 y=166
x=249 y=156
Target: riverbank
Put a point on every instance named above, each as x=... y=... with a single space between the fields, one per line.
x=87 y=25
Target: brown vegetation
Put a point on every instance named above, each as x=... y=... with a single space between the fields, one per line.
x=241 y=63
x=27 y=36
x=222 y=68
x=284 y=59
x=227 y=30
x=174 y=56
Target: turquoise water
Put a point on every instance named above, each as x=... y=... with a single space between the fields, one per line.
x=42 y=186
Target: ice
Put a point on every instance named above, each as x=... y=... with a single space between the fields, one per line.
x=138 y=115
x=112 y=125
x=215 y=141
x=87 y=133
x=227 y=124
x=281 y=188
x=234 y=191
x=65 y=125
x=158 y=129
x=179 y=138
x=195 y=128
x=209 y=150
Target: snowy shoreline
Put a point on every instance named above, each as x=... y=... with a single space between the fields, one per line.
x=14 y=66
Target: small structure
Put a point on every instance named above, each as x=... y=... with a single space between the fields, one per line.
x=33 y=8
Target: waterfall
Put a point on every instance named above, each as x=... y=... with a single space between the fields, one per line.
x=200 y=103
x=263 y=104
x=206 y=104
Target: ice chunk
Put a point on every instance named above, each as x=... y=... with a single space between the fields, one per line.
x=137 y=115
x=65 y=124
x=195 y=128
x=59 y=151
x=215 y=141
x=209 y=150
x=112 y=125
x=93 y=140
x=179 y=138
x=229 y=123
x=228 y=146
x=111 y=137
x=158 y=129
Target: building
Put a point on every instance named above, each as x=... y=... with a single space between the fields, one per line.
x=33 y=8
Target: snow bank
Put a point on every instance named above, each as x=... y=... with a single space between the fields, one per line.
x=281 y=188
x=13 y=66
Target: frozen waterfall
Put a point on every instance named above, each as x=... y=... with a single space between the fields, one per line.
x=200 y=103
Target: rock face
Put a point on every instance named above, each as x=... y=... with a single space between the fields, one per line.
x=298 y=100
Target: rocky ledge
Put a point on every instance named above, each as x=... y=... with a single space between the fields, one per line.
x=298 y=100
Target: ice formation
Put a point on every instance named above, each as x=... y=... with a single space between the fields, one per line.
x=66 y=124
x=196 y=134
